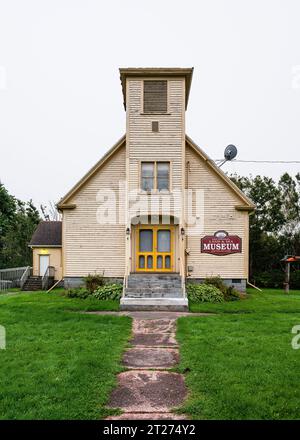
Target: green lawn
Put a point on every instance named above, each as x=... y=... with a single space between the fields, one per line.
x=58 y=364
x=239 y=363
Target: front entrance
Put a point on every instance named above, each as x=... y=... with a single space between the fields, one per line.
x=155 y=248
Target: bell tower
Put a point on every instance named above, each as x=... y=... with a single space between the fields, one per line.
x=155 y=100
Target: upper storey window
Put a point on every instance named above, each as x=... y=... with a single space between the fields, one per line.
x=155 y=96
x=155 y=176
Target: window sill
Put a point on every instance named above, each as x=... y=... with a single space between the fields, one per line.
x=154 y=193
x=155 y=114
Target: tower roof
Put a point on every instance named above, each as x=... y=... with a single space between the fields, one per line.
x=157 y=72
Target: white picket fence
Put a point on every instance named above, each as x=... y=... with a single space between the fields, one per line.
x=13 y=277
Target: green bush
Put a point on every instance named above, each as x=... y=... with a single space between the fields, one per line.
x=94 y=281
x=78 y=293
x=229 y=292
x=109 y=291
x=204 y=293
x=295 y=279
x=275 y=278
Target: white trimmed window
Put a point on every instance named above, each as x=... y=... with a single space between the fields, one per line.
x=155 y=176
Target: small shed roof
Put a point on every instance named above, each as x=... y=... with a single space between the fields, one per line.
x=47 y=233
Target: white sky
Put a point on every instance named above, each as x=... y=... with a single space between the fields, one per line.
x=60 y=94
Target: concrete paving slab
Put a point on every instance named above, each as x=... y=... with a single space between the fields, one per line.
x=150 y=358
x=154 y=340
x=148 y=416
x=148 y=391
x=154 y=325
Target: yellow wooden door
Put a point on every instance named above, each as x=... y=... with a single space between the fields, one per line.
x=155 y=248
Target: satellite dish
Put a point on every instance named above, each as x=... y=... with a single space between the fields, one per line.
x=230 y=152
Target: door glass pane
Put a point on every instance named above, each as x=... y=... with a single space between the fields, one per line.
x=141 y=262
x=159 y=262
x=163 y=175
x=167 y=262
x=146 y=240
x=147 y=173
x=149 y=262
x=164 y=240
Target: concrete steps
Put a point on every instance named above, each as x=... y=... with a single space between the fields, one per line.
x=154 y=292
x=33 y=284
x=155 y=304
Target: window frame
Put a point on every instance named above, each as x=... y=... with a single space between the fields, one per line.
x=155 y=190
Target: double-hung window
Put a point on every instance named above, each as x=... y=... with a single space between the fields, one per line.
x=155 y=176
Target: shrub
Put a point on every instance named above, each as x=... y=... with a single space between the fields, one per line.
x=275 y=278
x=229 y=292
x=94 y=281
x=78 y=293
x=109 y=291
x=295 y=279
x=204 y=293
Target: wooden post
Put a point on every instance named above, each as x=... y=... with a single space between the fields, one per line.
x=287 y=277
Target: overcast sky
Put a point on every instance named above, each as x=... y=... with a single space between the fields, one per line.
x=60 y=95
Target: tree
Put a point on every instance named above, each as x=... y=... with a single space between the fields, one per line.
x=275 y=224
x=18 y=221
x=50 y=212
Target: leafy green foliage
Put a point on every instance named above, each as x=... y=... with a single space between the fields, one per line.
x=93 y=281
x=204 y=293
x=229 y=292
x=274 y=278
x=78 y=293
x=109 y=292
x=18 y=221
x=104 y=292
x=274 y=226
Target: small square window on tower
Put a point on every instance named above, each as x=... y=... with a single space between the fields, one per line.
x=155 y=126
x=155 y=96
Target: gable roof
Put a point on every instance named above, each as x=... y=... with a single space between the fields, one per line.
x=47 y=233
x=247 y=204
x=62 y=203
x=246 y=201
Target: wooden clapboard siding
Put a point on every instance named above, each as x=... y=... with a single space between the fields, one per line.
x=87 y=245
x=219 y=213
x=145 y=145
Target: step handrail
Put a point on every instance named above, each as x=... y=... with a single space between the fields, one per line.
x=50 y=272
x=182 y=278
x=125 y=281
x=25 y=276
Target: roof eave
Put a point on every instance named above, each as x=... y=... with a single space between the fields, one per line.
x=248 y=204
x=62 y=204
x=45 y=245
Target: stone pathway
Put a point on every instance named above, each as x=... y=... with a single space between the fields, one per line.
x=148 y=390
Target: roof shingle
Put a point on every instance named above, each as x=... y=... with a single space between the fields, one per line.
x=47 y=233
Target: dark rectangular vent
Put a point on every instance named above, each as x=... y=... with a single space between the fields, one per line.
x=155 y=96
x=155 y=126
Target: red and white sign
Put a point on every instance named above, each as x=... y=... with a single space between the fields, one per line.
x=221 y=243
